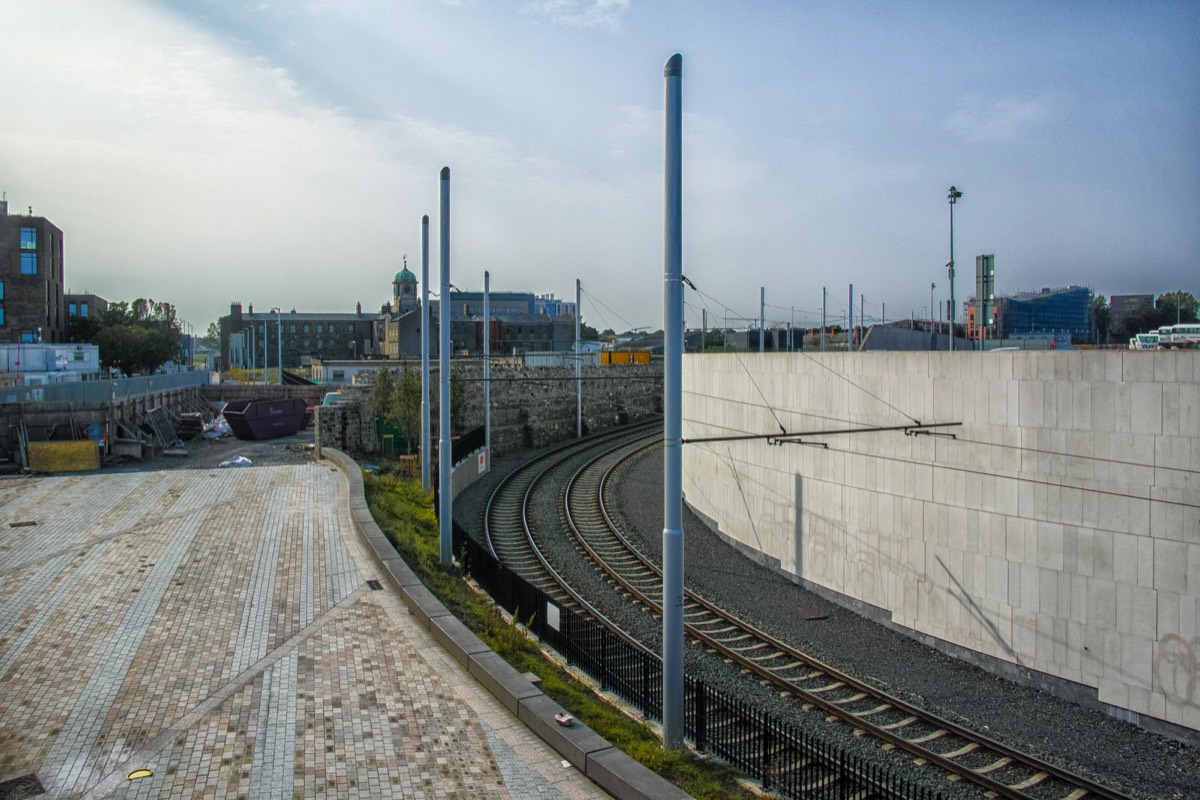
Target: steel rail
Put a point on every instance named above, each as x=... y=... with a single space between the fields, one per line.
x=1007 y=757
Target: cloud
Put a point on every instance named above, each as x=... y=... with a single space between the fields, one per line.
x=594 y=14
x=1004 y=120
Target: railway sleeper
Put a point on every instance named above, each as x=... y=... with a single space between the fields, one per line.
x=900 y=724
x=929 y=737
x=1031 y=781
x=876 y=710
x=822 y=689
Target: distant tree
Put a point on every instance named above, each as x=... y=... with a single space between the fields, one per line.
x=212 y=337
x=714 y=338
x=383 y=395
x=138 y=337
x=82 y=330
x=1101 y=317
x=1168 y=308
x=608 y=333
x=587 y=333
x=408 y=405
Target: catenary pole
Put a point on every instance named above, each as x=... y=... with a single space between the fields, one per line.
x=578 y=366
x=850 y=326
x=824 y=298
x=762 y=318
x=487 y=367
x=672 y=565
x=426 y=438
x=445 y=508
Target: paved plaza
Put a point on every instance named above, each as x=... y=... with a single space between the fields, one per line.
x=215 y=626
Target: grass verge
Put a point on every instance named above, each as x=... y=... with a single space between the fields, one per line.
x=406 y=516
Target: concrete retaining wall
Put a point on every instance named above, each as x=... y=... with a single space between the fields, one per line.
x=1057 y=538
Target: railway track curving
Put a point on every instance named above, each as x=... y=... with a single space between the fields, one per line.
x=583 y=486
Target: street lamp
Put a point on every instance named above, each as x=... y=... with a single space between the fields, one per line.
x=953 y=197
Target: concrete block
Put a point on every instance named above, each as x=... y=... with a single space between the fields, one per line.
x=1101 y=603
x=1170 y=566
x=423 y=605
x=622 y=777
x=397 y=571
x=456 y=638
x=501 y=679
x=576 y=743
x=1137 y=659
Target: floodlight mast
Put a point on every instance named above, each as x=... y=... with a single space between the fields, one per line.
x=953 y=197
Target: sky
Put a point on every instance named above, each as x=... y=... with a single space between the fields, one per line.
x=282 y=154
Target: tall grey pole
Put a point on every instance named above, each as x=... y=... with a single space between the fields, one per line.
x=672 y=566
x=932 y=330
x=426 y=438
x=279 y=342
x=884 y=314
x=487 y=367
x=445 y=508
x=762 y=318
x=578 y=367
x=703 y=328
x=862 y=316
x=953 y=196
x=850 y=315
x=791 y=325
x=824 y=298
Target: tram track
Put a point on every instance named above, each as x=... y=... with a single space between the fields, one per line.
x=998 y=770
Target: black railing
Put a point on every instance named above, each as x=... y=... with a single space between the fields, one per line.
x=784 y=758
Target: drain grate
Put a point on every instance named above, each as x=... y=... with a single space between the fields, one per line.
x=22 y=787
x=28 y=523
x=374 y=584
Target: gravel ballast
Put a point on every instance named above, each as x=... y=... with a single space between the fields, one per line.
x=1116 y=753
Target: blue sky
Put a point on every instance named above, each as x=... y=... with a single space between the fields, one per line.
x=283 y=153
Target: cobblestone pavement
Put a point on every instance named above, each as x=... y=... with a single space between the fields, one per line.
x=214 y=626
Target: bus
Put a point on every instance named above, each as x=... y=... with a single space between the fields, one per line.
x=1144 y=341
x=1184 y=335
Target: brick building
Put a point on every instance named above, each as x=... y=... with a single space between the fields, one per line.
x=251 y=340
x=32 y=308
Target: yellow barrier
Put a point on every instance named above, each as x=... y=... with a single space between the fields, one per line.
x=63 y=456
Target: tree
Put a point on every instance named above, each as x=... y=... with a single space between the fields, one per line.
x=408 y=405
x=383 y=396
x=212 y=337
x=1168 y=309
x=587 y=333
x=137 y=337
x=1101 y=317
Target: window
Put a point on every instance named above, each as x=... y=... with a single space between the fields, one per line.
x=320 y=328
x=291 y=327
x=28 y=337
x=339 y=374
x=84 y=307
x=71 y=309
x=306 y=331
x=1 y=288
x=28 y=263
x=29 y=238
x=1 y=315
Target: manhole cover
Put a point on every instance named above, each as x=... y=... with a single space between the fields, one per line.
x=22 y=787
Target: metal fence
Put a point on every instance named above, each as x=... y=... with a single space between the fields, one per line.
x=783 y=757
x=98 y=392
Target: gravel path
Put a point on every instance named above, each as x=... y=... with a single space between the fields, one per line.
x=1118 y=754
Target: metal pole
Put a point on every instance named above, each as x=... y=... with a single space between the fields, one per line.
x=672 y=599
x=850 y=316
x=862 y=316
x=884 y=314
x=487 y=367
x=932 y=335
x=703 y=328
x=445 y=508
x=792 y=325
x=954 y=195
x=824 y=297
x=425 y=423
x=578 y=368
x=279 y=342
x=762 y=318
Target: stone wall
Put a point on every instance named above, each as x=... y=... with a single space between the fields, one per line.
x=1055 y=538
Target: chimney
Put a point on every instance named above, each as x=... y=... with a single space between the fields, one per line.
x=3 y=208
